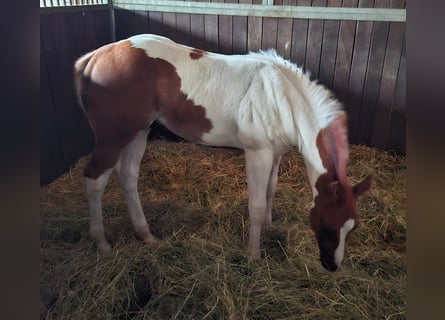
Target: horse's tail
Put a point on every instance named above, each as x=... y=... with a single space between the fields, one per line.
x=80 y=80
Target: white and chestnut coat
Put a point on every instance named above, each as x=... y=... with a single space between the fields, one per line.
x=257 y=102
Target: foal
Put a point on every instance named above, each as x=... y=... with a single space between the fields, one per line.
x=256 y=102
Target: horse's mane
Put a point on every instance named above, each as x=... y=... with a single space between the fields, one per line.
x=328 y=111
x=326 y=107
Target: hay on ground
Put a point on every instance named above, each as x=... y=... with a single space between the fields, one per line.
x=195 y=199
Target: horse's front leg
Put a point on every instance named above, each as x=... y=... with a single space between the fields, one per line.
x=259 y=165
x=271 y=188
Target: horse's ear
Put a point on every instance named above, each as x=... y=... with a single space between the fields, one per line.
x=338 y=145
x=362 y=187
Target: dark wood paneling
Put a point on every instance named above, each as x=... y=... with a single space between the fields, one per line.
x=225 y=30
x=65 y=133
x=373 y=76
x=358 y=70
x=51 y=163
x=363 y=62
x=314 y=41
x=239 y=32
x=211 y=32
x=388 y=84
x=299 y=37
x=344 y=54
x=397 y=133
x=329 y=48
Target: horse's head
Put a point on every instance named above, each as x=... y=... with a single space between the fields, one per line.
x=334 y=216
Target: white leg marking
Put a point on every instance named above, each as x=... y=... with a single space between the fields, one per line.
x=258 y=166
x=340 y=251
x=95 y=190
x=127 y=170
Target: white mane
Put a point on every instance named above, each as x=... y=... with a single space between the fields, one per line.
x=325 y=106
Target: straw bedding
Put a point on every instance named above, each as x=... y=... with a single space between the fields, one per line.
x=195 y=199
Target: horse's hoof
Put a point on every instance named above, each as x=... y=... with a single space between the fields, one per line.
x=151 y=240
x=104 y=248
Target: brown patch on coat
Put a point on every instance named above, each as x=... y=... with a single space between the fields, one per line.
x=196 y=54
x=123 y=91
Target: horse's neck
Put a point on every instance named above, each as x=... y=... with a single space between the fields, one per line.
x=315 y=113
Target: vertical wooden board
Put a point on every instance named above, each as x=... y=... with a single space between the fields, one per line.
x=373 y=76
x=358 y=71
x=239 y=32
x=183 y=28
x=270 y=29
x=284 y=33
x=97 y=28
x=329 y=48
x=299 y=37
x=140 y=22
x=76 y=47
x=397 y=128
x=225 y=30
x=51 y=163
x=61 y=53
x=123 y=25
x=344 y=54
x=382 y=119
x=197 y=32
x=211 y=32
x=254 y=31
x=155 y=22
x=314 y=41
x=169 y=24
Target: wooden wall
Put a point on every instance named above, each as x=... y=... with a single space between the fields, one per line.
x=65 y=134
x=363 y=62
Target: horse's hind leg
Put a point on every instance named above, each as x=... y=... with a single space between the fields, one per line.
x=95 y=190
x=102 y=161
x=127 y=169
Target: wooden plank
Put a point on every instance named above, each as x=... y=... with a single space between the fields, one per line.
x=140 y=22
x=269 y=36
x=123 y=26
x=354 y=14
x=284 y=36
x=99 y=21
x=358 y=71
x=51 y=164
x=155 y=22
x=314 y=40
x=397 y=128
x=197 y=30
x=239 y=32
x=169 y=24
x=183 y=28
x=388 y=84
x=61 y=53
x=344 y=54
x=299 y=37
x=329 y=48
x=372 y=82
x=211 y=32
x=254 y=31
x=225 y=32
x=270 y=31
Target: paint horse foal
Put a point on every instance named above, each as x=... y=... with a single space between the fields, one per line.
x=257 y=102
